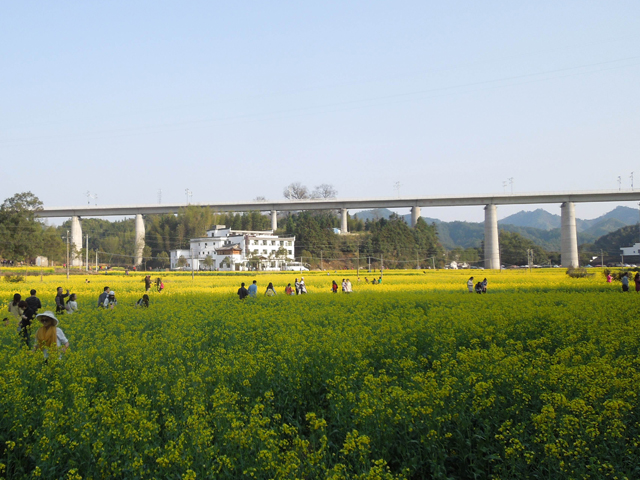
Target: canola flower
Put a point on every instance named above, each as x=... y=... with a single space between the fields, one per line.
x=412 y=378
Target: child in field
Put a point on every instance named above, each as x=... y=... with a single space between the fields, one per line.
x=270 y=292
x=334 y=287
x=470 y=285
x=288 y=290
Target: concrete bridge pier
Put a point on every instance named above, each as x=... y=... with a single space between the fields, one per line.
x=76 y=242
x=343 y=222
x=491 y=242
x=274 y=220
x=140 y=232
x=568 y=235
x=415 y=215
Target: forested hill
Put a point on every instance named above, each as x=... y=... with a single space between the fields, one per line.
x=539 y=226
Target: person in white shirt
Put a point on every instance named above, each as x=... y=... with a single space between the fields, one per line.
x=49 y=333
x=72 y=304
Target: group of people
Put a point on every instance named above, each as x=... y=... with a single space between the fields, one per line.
x=147 y=283
x=625 y=281
x=374 y=281
x=346 y=286
x=252 y=291
x=26 y=311
x=480 y=287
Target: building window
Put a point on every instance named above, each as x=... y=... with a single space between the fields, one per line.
x=290 y=252
x=264 y=252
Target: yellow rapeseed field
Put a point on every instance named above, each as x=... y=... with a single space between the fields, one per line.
x=413 y=378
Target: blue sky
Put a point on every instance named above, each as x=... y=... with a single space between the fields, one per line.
x=237 y=100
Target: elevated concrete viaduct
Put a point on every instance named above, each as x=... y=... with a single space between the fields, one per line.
x=567 y=201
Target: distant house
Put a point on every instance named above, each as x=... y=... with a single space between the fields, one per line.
x=630 y=251
x=234 y=250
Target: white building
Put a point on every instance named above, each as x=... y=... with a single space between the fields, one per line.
x=236 y=250
x=635 y=250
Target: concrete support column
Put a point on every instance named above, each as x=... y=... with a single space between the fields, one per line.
x=491 y=242
x=569 y=235
x=139 y=239
x=76 y=242
x=274 y=220
x=415 y=215
x=343 y=223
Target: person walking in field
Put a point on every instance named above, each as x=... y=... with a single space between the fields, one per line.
x=348 y=287
x=49 y=334
x=334 y=287
x=103 y=296
x=242 y=292
x=24 y=326
x=344 y=286
x=485 y=282
x=60 y=304
x=14 y=309
x=303 y=286
x=72 y=304
x=33 y=301
x=470 y=285
x=147 y=283
x=636 y=280
x=270 y=292
x=625 y=282
x=297 y=285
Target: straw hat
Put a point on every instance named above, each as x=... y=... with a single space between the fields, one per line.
x=49 y=314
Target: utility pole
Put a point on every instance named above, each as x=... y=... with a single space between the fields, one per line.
x=417 y=262
x=321 y=263
x=381 y=266
x=67 y=254
x=602 y=257
x=96 y=261
x=433 y=261
x=369 y=259
x=192 y=272
x=86 y=254
x=358 y=268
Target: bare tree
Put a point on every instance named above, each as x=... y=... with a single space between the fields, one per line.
x=296 y=191
x=260 y=199
x=324 y=191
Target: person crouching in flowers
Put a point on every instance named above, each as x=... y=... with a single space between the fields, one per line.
x=110 y=301
x=49 y=334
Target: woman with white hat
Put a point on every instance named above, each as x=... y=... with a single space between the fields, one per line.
x=49 y=333
x=110 y=301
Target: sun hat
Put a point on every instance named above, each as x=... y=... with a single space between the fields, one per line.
x=49 y=314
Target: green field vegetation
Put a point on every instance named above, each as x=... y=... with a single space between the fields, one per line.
x=413 y=378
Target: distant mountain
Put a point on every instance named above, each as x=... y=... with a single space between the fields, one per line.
x=375 y=214
x=537 y=219
x=605 y=226
x=539 y=226
x=548 y=221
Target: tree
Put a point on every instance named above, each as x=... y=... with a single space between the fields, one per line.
x=208 y=262
x=324 y=191
x=52 y=245
x=296 y=191
x=20 y=230
x=182 y=262
x=163 y=259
